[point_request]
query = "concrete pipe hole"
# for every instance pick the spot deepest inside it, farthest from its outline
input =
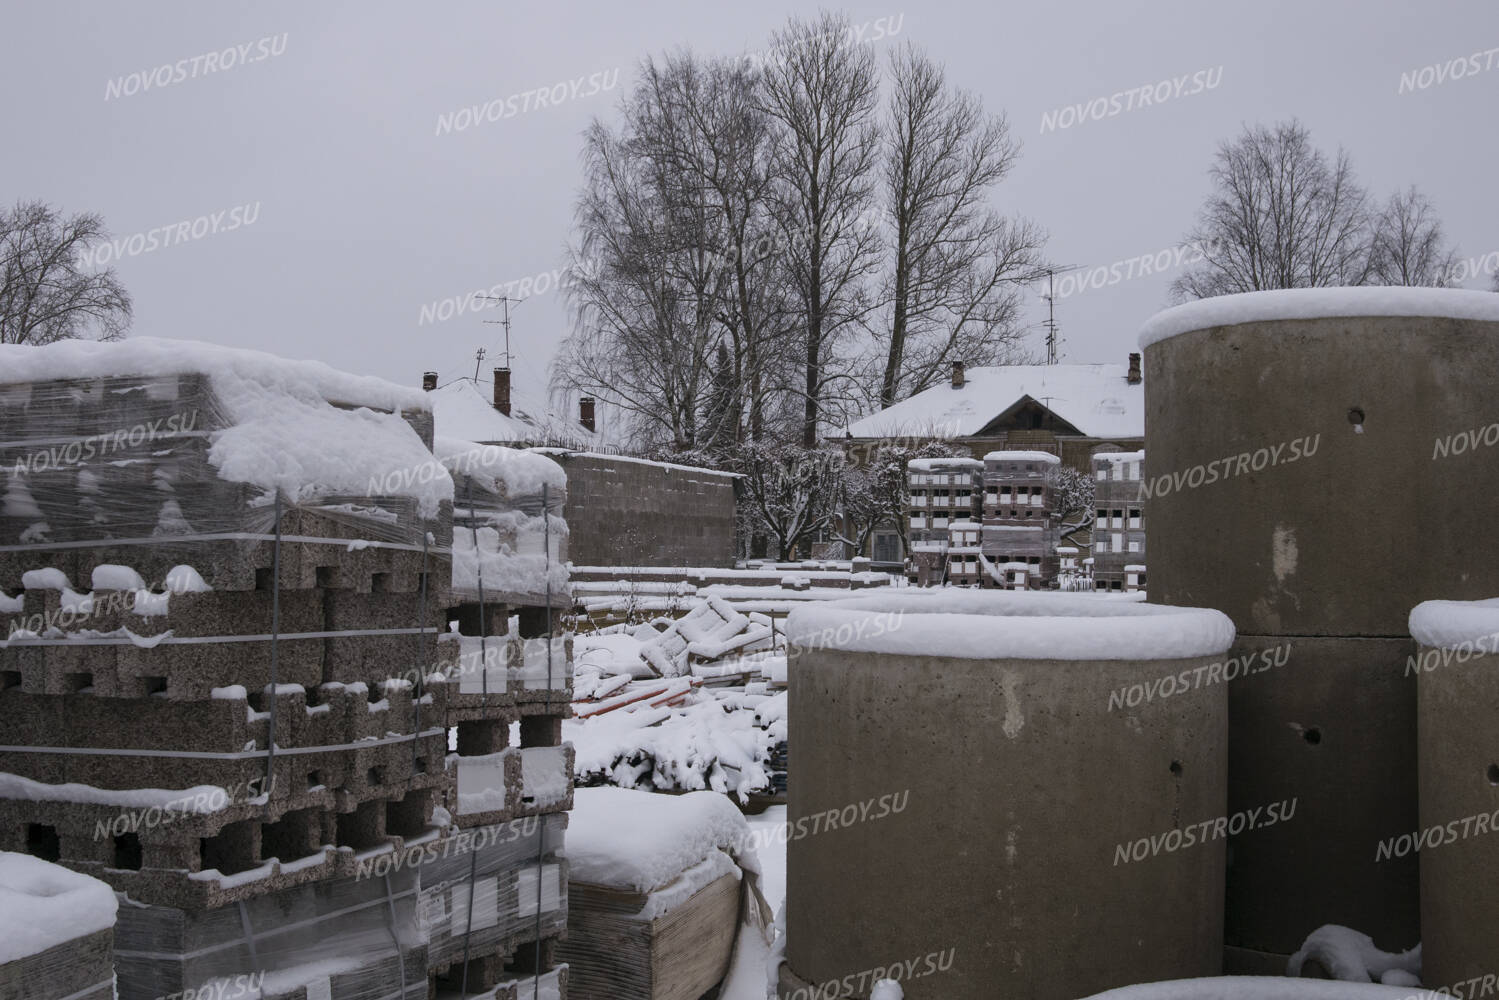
(1355, 416)
(1494, 774)
(1176, 768)
(1312, 736)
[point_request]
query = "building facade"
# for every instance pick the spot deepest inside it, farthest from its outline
(943, 511)
(1021, 526)
(1119, 525)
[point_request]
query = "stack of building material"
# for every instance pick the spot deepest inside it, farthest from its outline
(660, 887)
(944, 495)
(56, 932)
(225, 695)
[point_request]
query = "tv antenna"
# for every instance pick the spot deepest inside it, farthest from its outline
(505, 301)
(1053, 340)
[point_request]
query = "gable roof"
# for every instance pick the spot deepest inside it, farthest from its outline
(463, 409)
(1095, 399)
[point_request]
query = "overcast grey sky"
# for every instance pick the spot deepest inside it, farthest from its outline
(374, 197)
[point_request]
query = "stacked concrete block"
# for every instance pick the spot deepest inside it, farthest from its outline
(56, 933)
(238, 787)
(1313, 475)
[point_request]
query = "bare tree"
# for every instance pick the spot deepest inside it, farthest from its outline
(822, 90)
(953, 292)
(644, 284)
(1409, 247)
(45, 294)
(1281, 215)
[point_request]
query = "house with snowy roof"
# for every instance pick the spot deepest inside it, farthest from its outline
(1070, 411)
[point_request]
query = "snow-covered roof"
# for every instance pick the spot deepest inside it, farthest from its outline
(1096, 399)
(943, 464)
(610, 457)
(1320, 303)
(464, 409)
(1022, 456)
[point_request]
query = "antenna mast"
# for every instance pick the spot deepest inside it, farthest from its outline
(505, 301)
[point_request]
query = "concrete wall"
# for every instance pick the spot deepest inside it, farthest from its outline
(1459, 774)
(1336, 545)
(624, 512)
(1020, 784)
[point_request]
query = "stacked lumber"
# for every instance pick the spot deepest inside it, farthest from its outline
(660, 888)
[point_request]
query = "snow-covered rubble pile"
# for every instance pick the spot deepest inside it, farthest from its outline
(277, 426)
(43, 905)
(680, 738)
(499, 529)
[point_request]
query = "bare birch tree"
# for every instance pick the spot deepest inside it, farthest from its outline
(46, 294)
(952, 289)
(1409, 246)
(1281, 215)
(822, 90)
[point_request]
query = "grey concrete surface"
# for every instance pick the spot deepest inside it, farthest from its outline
(1348, 540)
(1459, 774)
(1021, 784)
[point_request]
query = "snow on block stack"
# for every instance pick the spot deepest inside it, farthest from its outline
(1456, 666)
(658, 887)
(222, 687)
(56, 932)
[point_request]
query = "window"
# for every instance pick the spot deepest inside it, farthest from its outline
(1134, 546)
(1134, 517)
(1103, 517)
(1101, 546)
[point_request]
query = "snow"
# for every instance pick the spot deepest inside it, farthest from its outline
(641, 841)
(198, 799)
(45, 579)
(672, 466)
(887, 989)
(1120, 456)
(153, 356)
(12, 605)
(465, 409)
(43, 905)
(610, 654)
(1022, 456)
(183, 579)
(1454, 624)
(282, 429)
(1010, 624)
(1348, 955)
(664, 900)
(1263, 988)
(509, 472)
(944, 464)
(1319, 303)
(110, 577)
(1095, 399)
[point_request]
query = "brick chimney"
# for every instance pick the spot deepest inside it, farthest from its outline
(1133, 378)
(429, 381)
(585, 412)
(502, 390)
(958, 379)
